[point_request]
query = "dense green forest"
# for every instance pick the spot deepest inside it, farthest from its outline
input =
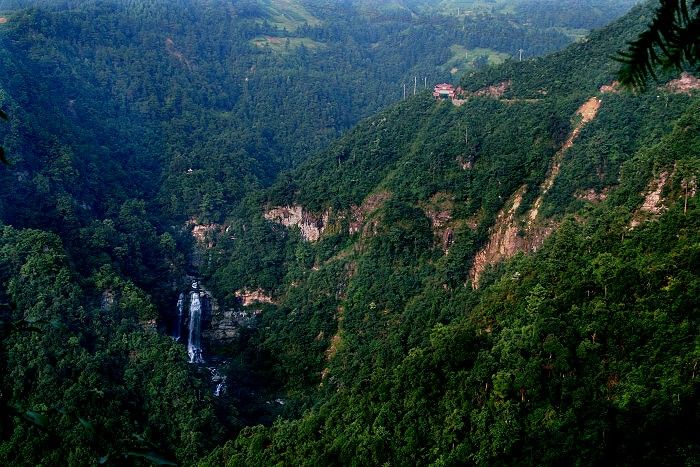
(512, 279)
(192, 93)
(131, 117)
(581, 348)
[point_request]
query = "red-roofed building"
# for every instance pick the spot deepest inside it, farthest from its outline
(444, 91)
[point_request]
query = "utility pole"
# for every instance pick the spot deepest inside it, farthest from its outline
(415, 83)
(521, 55)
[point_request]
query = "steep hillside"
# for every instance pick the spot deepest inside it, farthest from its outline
(511, 280)
(177, 105)
(136, 129)
(482, 152)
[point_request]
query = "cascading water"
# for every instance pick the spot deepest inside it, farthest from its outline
(218, 380)
(180, 309)
(194, 348)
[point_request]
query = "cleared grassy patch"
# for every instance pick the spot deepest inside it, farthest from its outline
(286, 44)
(476, 6)
(290, 15)
(576, 35)
(464, 59)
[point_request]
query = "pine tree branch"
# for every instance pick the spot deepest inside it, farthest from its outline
(671, 41)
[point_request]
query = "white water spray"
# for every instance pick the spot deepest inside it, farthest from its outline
(194, 347)
(180, 309)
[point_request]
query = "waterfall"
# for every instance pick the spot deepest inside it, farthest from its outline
(218, 380)
(194, 348)
(178, 323)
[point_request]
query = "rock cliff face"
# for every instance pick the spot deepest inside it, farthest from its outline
(205, 239)
(310, 225)
(204, 234)
(226, 326)
(250, 297)
(652, 200)
(439, 211)
(685, 84)
(504, 239)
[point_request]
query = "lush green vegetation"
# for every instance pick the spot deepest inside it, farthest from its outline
(128, 119)
(585, 352)
(141, 83)
(86, 371)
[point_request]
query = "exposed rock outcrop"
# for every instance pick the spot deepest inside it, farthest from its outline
(686, 84)
(504, 240)
(439, 211)
(613, 87)
(592, 195)
(310, 225)
(250, 297)
(226, 326)
(466, 163)
(653, 202)
(204, 234)
(358, 214)
(509, 234)
(585, 114)
(496, 91)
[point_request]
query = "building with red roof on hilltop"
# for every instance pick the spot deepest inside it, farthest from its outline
(444, 91)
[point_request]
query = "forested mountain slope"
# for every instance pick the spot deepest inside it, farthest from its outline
(162, 112)
(511, 280)
(190, 94)
(377, 332)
